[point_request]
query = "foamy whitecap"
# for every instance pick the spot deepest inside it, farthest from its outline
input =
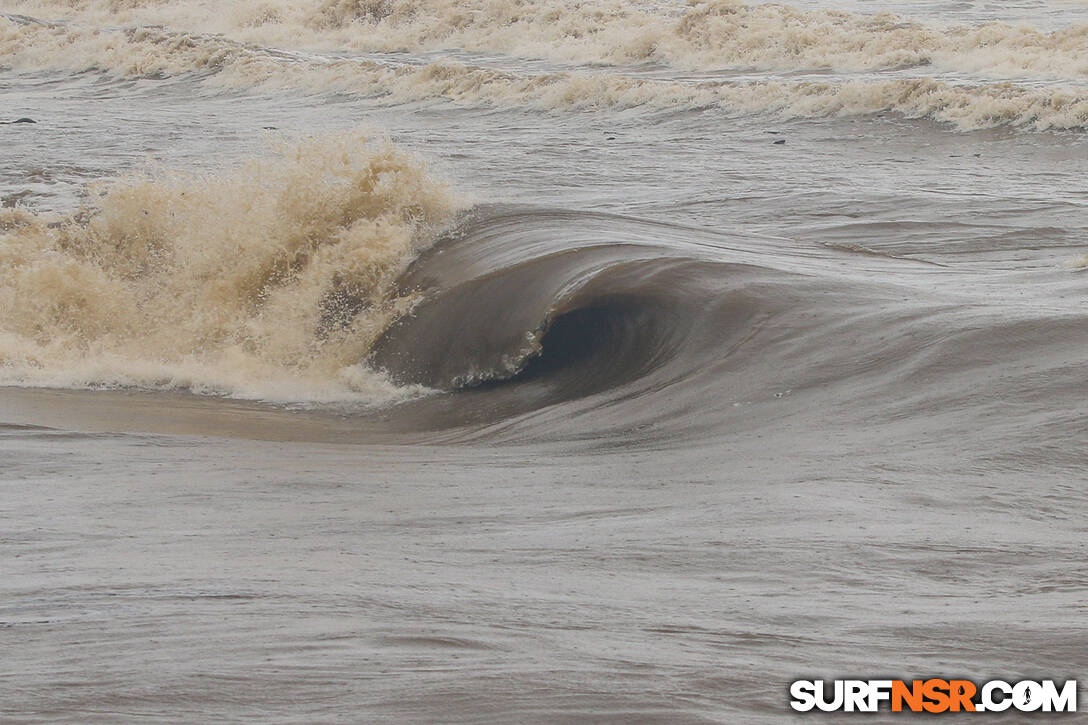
(268, 281)
(697, 35)
(226, 63)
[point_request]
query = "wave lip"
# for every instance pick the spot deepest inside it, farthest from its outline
(542, 325)
(524, 309)
(584, 321)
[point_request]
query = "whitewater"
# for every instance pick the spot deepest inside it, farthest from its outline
(537, 360)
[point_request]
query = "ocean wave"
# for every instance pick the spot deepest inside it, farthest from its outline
(218, 63)
(707, 35)
(713, 34)
(322, 279)
(270, 281)
(545, 324)
(559, 313)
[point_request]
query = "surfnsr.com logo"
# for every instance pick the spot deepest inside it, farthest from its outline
(933, 696)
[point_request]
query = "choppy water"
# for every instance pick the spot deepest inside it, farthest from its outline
(536, 362)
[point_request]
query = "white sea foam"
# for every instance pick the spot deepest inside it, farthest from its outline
(698, 35)
(225, 63)
(270, 281)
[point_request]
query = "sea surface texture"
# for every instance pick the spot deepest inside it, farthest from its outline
(537, 361)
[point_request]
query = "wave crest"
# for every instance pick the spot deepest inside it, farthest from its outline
(706, 35)
(218, 62)
(269, 281)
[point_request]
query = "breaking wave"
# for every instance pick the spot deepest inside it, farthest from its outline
(326, 273)
(545, 324)
(697, 35)
(329, 282)
(270, 281)
(958, 75)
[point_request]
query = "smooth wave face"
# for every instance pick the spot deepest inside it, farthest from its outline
(613, 328)
(741, 58)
